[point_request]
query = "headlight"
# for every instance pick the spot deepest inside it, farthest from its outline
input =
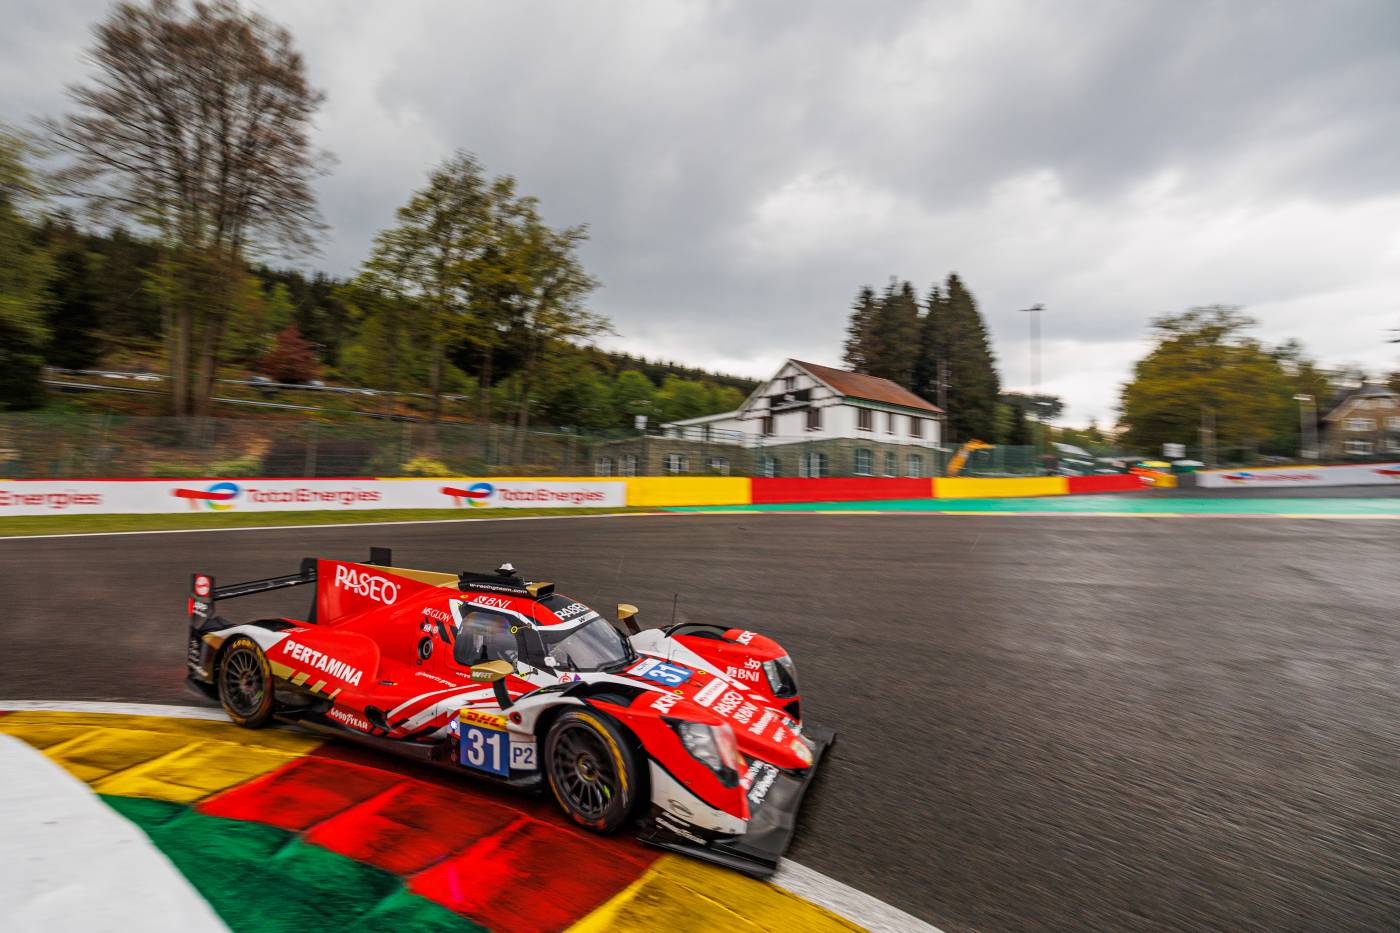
(782, 676)
(713, 746)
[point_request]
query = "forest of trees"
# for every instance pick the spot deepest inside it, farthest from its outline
(187, 157)
(939, 349)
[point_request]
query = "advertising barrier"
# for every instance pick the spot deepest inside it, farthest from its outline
(106, 496)
(1351, 474)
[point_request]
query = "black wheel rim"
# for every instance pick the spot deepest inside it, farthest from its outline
(584, 771)
(243, 682)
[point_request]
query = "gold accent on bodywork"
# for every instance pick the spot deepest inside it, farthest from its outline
(320, 685)
(301, 678)
(430, 577)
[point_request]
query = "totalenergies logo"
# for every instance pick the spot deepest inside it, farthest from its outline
(1391, 472)
(220, 496)
(476, 495)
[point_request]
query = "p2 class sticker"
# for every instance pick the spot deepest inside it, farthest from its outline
(522, 756)
(668, 675)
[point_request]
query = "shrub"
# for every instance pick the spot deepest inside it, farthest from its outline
(426, 466)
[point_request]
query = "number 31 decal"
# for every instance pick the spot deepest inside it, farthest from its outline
(485, 750)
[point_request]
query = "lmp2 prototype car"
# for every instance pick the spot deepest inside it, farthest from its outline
(692, 732)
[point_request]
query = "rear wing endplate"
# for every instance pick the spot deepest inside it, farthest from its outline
(204, 593)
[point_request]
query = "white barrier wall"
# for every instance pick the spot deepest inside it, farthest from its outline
(108, 496)
(1359, 474)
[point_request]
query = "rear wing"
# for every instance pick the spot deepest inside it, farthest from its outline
(204, 593)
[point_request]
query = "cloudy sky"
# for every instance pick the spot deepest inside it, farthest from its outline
(745, 167)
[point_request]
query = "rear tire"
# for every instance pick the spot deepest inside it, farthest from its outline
(245, 683)
(593, 770)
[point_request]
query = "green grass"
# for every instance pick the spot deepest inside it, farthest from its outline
(85, 524)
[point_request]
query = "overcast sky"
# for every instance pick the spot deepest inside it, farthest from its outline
(745, 167)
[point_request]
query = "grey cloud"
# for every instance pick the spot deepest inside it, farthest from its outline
(744, 168)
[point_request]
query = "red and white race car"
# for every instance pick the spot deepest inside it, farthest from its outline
(693, 732)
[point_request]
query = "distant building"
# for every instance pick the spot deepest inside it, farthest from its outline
(1364, 422)
(807, 420)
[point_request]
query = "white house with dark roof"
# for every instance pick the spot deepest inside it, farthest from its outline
(808, 420)
(809, 401)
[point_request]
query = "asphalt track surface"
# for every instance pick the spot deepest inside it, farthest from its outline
(1058, 723)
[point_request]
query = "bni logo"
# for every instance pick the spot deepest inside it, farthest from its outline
(220, 496)
(476, 495)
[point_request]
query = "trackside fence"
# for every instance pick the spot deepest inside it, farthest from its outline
(56, 446)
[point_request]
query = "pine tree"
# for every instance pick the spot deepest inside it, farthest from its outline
(74, 320)
(860, 351)
(933, 351)
(895, 334)
(973, 384)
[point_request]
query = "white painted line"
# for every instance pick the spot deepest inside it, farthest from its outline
(74, 864)
(845, 901)
(841, 899)
(119, 709)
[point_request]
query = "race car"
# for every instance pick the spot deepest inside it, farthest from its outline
(692, 733)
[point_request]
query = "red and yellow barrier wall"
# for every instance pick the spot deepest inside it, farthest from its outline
(661, 492)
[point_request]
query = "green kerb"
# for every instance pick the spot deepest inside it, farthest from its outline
(260, 878)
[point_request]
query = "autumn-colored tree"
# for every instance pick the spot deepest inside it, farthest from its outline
(292, 359)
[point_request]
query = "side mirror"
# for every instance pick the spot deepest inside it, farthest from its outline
(626, 612)
(488, 672)
(495, 674)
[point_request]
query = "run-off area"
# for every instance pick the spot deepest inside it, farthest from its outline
(1046, 722)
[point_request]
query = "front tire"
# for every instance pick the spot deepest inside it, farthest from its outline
(245, 683)
(593, 770)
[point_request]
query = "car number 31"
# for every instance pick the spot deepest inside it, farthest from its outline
(486, 750)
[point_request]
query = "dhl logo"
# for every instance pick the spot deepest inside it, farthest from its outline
(475, 717)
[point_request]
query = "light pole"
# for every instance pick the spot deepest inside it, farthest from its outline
(1034, 312)
(1307, 415)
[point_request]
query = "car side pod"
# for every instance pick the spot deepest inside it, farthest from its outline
(774, 796)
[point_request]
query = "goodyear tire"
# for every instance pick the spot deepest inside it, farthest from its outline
(245, 683)
(593, 770)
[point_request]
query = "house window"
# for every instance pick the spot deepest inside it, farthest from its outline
(603, 467)
(916, 426)
(768, 466)
(1392, 424)
(889, 422)
(1392, 445)
(789, 383)
(1360, 424)
(719, 466)
(627, 466)
(814, 419)
(865, 462)
(891, 464)
(865, 419)
(769, 428)
(915, 464)
(1360, 448)
(674, 463)
(812, 465)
